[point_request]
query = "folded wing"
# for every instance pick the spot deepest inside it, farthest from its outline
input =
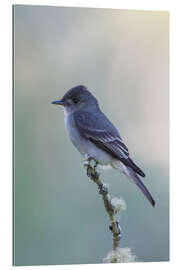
(104, 135)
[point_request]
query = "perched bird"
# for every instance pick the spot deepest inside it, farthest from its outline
(96, 137)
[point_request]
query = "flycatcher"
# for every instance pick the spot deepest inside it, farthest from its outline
(96, 137)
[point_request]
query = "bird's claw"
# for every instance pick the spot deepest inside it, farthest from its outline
(90, 164)
(89, 174)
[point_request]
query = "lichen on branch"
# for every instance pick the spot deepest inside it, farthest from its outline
(112, 206)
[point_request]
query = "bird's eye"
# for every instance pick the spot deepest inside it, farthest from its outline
(75, 100)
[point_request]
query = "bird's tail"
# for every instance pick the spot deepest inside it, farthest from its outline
(131, 174)
(143, 188)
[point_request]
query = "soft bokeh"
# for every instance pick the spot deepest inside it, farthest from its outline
(122, 57)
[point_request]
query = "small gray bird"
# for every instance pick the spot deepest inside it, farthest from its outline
(96, 137)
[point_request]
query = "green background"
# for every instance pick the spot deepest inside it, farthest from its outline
(122, 57)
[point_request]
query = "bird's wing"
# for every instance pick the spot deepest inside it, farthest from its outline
(101, 132)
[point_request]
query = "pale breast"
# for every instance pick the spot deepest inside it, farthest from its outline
(78, 141)
(83, 145)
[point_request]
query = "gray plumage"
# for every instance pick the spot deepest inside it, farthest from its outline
(95, 136)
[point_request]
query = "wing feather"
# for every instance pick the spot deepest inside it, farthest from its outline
(104, 135)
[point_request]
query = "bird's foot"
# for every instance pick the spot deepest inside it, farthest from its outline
(90, 164)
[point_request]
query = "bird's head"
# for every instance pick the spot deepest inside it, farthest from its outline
(77, 98)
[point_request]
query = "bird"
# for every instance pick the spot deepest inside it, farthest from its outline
(95, 137)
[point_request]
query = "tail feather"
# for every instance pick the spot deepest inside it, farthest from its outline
(131, 174)
(145, 191)
(135, 167)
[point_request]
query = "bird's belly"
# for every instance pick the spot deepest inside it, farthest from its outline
(85, 146)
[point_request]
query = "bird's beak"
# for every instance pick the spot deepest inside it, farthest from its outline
(59, 102)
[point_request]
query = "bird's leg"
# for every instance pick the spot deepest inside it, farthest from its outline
(95, 165)
(87, 164)
(90, 164)
(96, 174)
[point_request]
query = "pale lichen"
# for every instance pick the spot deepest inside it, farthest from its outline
(120, 255)
(119, 204)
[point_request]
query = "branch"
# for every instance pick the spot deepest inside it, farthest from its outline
(112, 207)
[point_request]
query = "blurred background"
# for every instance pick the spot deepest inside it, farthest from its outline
(122, 57)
